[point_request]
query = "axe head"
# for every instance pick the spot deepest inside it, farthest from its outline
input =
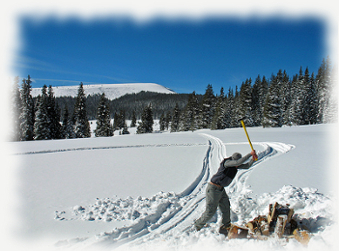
(243, 118)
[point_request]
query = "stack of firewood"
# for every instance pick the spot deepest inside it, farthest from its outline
(279, 223)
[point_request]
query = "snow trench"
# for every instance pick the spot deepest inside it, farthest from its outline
(170, 216)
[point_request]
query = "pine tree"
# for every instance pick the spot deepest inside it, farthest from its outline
(255, 106)
(116, 119)
(245, 103)
(286, 99)
(119, 120)
(125, 130)
(306, 110)
(190, 114)
(54, 115)
(162, 122)
(146, 124)
(42, 129)
(236, 109)
(207, 108)
(263, 91)
(168, 120)
(67, 126)
(218, 121)
(175, 119)
(327, 106)
(82, 128)
(104, 127)
(134, 120)
(313, 92)
(229, 109)
(15, 111)
(331, 115)
(298, 101)
(27, 114)
(272, 108)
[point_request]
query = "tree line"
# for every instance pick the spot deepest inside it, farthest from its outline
(304, 99)
(129, 103)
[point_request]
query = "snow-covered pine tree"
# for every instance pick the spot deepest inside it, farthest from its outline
(189, 116)
(286, 98)
(218, 121)
(297, 104)
(331, 113)
(175, 119)
(272, 108)
(207, 107)
(82, 127)
(246, 102)
(15, 111)
(104, 127)
(149, 119)
(168, 119)
(263, 90)
(326, 95)
(306, 111)
(162, 122)
(256, 108)
(67, 126)
(289, 113)
(122, 119)
(116, 121)
(119, 120)
(125, 130)
(42, 125)
(236, 109)
(134, 120)
(313, 101)
(27, 115)
(229, 109)
(54, 115)
(146, 124)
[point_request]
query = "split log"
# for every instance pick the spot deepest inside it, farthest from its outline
(302, 236)
(237, 232)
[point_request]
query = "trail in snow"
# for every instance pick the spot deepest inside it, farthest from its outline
(170, 214)
(104, 148)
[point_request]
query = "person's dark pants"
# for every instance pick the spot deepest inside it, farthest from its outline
(215, 197)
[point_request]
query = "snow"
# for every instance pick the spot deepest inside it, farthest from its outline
(143, 192)
(112, 91)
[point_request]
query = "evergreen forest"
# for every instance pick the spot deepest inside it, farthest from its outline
(281, 100)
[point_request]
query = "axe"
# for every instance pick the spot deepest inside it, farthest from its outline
(249, 141)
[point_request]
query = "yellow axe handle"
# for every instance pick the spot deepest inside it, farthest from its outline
(249, 141)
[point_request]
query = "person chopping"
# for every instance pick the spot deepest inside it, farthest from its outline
(215, 192)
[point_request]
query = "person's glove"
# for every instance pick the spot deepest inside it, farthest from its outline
(254, 155)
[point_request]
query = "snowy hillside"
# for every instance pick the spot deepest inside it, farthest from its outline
(112, 91)
(143, 192)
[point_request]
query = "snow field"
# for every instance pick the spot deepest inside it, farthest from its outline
(144, 191)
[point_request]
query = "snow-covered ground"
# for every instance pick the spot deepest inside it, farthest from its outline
(112, 91)
(143, 192)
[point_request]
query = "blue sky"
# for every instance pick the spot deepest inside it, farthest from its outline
(182, 54)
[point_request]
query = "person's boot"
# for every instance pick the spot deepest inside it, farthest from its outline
(224, 229)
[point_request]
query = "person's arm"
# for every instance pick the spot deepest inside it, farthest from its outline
(250, 163)
(246, 165)
(237, 162)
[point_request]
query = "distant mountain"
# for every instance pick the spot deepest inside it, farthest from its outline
(112, 91)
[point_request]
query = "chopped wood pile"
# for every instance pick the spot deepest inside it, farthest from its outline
(279, 223)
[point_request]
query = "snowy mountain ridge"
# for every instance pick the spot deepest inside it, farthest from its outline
(112, 91)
